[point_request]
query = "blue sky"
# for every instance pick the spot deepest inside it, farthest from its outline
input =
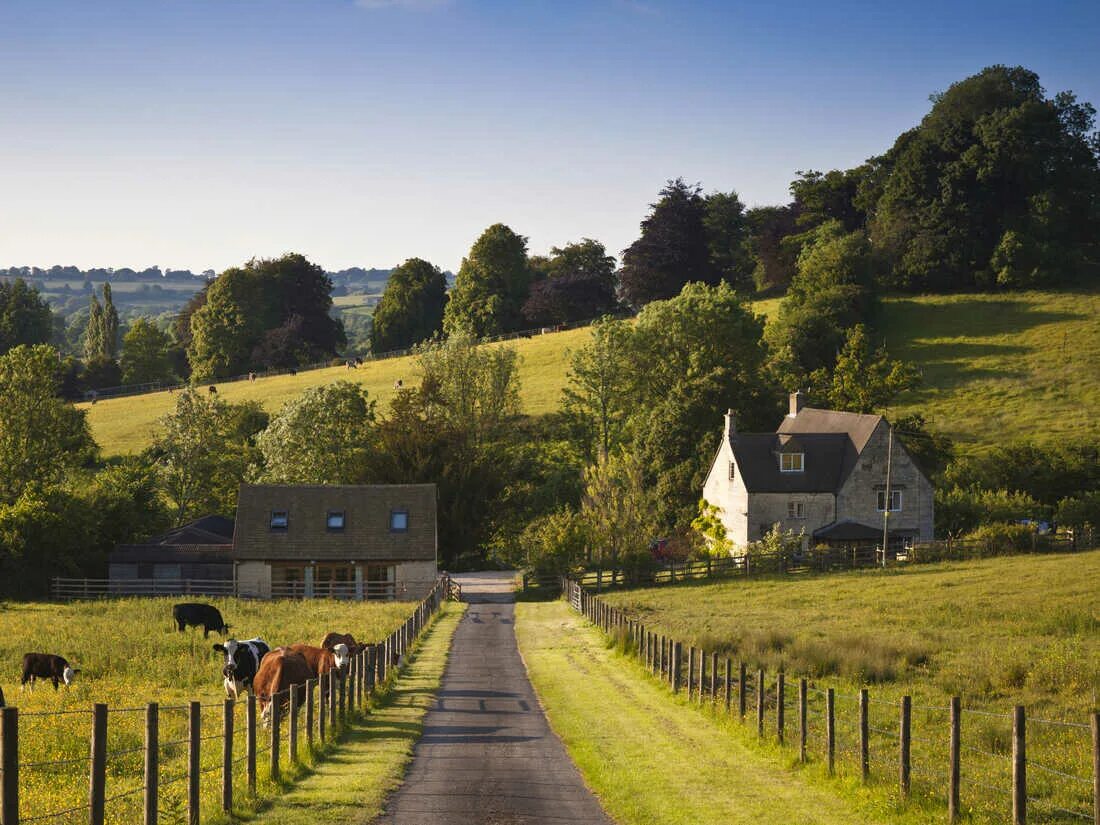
(199, 133)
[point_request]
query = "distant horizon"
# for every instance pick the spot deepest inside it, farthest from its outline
(198, 135)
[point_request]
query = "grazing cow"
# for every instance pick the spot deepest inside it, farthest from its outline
(242, 661)
(320, 660)
(195, 614)
(46, 666)
(332, 639)
(280, 669)
(212, 390)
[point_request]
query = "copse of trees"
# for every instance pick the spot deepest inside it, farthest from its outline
(576, 282)
(25, 316)
(411, 308)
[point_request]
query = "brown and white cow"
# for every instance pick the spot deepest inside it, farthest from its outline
(46, 666)
(321, 660)
(280, 670)
(333, 639)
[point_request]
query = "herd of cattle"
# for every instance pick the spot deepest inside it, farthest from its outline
(249, 664)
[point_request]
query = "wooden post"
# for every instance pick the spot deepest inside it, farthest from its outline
(760, 702)
(276, 735)
(713, 677)
(803, 720)
(1019, 766)
(227, 755)
(322, 706)
(864, 737)
(194, 743)
(311, 684)
(250, 743)
(292, 728)
(953, 771)
(9, 764)
(677, 661)
(780, 701)
(97, 777)
(742, 695)
(830, 729)
(729, 683)
(342, 681)
(152, 760)
(1095, 760)
(904, 742)
(333, 689)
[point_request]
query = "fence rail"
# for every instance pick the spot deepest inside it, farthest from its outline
(945, 749)
(173, 738)
(72, 589)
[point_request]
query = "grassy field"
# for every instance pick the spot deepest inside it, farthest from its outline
(1013, 365)
(997, 632)
(656, 760)
(129, 653)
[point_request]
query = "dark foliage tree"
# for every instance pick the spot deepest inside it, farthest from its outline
(578, 284)
(491, 285)
(830, 196)
(774, 258)
(672, 249)
(25, 316)
(411, 308)
(727, 230)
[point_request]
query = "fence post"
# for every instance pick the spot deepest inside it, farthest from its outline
(276, 735)
(322, 705)
(1019, 766)
(780, 701)
(227, 755)
(691, 671)
(194, 742)
(864, 737)
(760, 702)
(677, 656)
(152, 761)
(342, 681)
(333, 676)
(1095, 760)
(97, 778)
(713, 677)
(953, 771)
(310, 684)
(742, 694)
(830, 729)
(803, 727)
(250, 743)
(904, 745)
(9, 764)
(729, 683)
(292, 728)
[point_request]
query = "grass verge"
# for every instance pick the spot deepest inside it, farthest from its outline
(351, 784)
(654, 759)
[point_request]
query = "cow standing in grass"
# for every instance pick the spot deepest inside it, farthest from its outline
(281, 670)
(46, 666)
(321, 660)
(196, 614)
(242, 663)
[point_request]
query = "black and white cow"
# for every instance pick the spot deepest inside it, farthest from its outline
(242, 660)
(196, 614)
(46, 666)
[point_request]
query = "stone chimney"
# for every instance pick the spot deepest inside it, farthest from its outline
(798, 401)
(731, 425)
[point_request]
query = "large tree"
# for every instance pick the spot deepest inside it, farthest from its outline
(145, 353)
(268, 313)
(672, 249)
(25, 316)
(577, 283)
(727, 228)
(491, 286)
(411, 309)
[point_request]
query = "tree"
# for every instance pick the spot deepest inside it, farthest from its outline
(491, 286)
(145, 353)
(672, 250)
(864, 379)
(727, 230)
(41, 436)
(577, 283)
(25, 316)
(110, 325)
(555, 542)
(324, 436)
(268, 313)
(932, 451)
(618, 509)
(1081, 512)
(597, 400)
(774, 255)
(411, 308)
(94, 344)
(830, 196)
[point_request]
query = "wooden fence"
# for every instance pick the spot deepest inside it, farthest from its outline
(316, 712)
(876, 737)
(73, 589)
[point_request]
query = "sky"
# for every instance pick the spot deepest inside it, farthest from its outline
(200, 133)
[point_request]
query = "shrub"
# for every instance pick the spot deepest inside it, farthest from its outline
(1004, 539)
(962, 510)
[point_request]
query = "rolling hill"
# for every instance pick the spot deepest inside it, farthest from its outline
(996, 367)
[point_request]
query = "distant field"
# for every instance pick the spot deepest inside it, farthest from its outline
(129, 653)
(996, 367)
(996, 632)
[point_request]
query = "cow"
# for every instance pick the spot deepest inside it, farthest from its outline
(320, 660)
(46, 666)
(195, 614)
(281, 669)
(242, 661)
(332, 639)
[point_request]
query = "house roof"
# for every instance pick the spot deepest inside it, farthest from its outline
(848, 530)
(171, 554)
(758, 462)
(201, 531)
(366, 535)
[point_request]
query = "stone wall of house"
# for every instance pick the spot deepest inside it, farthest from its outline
(768, 509)
(415, 579)
(730, 497)
(254, 579)
(858, 498)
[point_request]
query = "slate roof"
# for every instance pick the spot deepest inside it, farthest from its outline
(848, 530)
(205, 530)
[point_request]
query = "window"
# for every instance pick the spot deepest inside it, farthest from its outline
(279, 519)
(895, 500)
(796, 509)
(733, 471)
(791, 462)
(335, 520)
(399, 521)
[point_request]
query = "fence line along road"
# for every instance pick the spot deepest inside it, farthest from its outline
(73, 589)
(1047, 770)
(327, 704)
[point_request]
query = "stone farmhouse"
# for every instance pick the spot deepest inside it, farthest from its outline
(833, 476)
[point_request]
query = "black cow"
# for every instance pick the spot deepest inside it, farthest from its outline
(194, 614)
(46, 666)
(242, 660)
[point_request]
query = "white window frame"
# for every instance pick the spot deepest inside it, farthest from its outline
(895, 496)
(796, 509)
(792, 469)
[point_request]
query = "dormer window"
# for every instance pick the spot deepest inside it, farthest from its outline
(335, 520)
(399, 521)
(279, 519)
(791, 462)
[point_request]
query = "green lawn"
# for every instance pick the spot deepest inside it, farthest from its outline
(656, 760)
(996, 632)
